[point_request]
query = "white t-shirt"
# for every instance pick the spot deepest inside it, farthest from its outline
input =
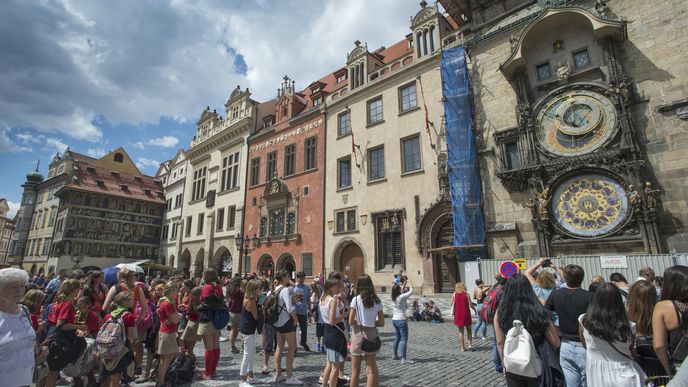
(325, 311)
(17, 340)
(366, 316)
(284, 305)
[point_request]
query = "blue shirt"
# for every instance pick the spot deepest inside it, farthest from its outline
(302, 306)
(53, 285)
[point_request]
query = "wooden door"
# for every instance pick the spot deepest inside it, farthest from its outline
(446, 265)
(351, 262)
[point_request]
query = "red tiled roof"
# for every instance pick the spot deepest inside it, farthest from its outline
(101, 181)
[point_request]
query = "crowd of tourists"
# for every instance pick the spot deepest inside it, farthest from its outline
(76, 325)
(550, 331)
(547, 329)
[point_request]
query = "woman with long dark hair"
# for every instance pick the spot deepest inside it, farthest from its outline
(212, 291)
(285, 327)
(96, 291)
(519, 302)
(400, 299)
(640, 304)
(365, 315)
(609, 337)
(669, 312)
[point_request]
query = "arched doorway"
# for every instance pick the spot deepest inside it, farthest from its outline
(266, 266)
(198, 264)
(170, 261)
(222, 261)
(445, 264)
(351, 262)
(184, 263)
(286, 262)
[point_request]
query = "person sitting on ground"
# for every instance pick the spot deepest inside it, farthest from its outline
(432, 313)
(416, 312)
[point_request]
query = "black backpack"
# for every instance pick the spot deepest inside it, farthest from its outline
(181, 369)
(272, 307)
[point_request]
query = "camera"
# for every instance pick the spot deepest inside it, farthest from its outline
(547, 263)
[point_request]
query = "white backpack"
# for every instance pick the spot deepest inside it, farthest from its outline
(520, 357)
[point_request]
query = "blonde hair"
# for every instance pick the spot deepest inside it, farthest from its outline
(251, 288)
(121, 299)
(68, 287)
(127, 276)
(32, 299)
(460, 287)
(169, 287)
(546, 280)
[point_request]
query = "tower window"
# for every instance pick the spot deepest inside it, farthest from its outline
(581, 58)
(544, 71)
(119, 158)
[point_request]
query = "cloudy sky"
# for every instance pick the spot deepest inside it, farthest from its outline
(93, 75)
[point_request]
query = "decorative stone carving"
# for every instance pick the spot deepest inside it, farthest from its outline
(563, 71)
(650, 196)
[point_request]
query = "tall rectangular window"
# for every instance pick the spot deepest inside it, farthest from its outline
(389, 252)
(376, 164)
(346, 220)
(220, 218)
(199, 226)
(410, 154)
(375, 111)
(271, 166)
(230, 172)
(188, 225)
(198, 187)
(277, 222)
(173, 232)
(46, 246)
(407, 97)
(290, 160)
(311, 153)
(231, 217)
(307, 263)
(341, 221)
(343, 123)
(512, 157)
(344, 172)
(255, 171)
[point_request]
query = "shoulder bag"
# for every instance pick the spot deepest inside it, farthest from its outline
(367, 345)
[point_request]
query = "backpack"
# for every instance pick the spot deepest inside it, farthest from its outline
(272, 307)
(520, 356)
(489, 309)
(147, 321)
(111, 339)
(220, 318)
(181, 369)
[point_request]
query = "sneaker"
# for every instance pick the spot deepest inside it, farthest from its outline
(223, 339)
(277, 378)
(321, 379)
(235, 349)
(345, 378)
(407, 361)
(138, 371)
(318, 347)
(265, 370)
(395, 357)
(306, 347)
(254, 380)
(293, 381)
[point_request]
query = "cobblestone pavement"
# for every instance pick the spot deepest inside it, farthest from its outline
(433, 347)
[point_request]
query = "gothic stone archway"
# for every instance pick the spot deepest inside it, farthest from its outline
(286, 262)
(198, 264)
(350, 261)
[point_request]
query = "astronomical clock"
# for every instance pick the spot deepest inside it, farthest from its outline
(575, 149)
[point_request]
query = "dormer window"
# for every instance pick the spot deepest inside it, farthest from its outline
(90, 170)
(284, 112)
(317, 101)
(146, 192)
(235, 112)
(100, 183)
(115, 174)
(124, 187)
(341, 78)
(316, 90)
(138, 178)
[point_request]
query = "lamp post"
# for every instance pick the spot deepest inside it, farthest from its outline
(242, 244)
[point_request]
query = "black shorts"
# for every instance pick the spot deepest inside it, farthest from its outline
(287, 327)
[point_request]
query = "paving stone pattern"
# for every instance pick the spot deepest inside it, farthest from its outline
(433, 347)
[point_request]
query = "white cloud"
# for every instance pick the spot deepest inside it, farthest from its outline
(144, 163)
(9, 146)
(74, 66)
(139, 145)
(96, 152)
(14, 207)
(164, 141)
(54, 144)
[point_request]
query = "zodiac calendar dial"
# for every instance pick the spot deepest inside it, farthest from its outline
(589, 205)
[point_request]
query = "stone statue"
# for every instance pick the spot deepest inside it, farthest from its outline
(533, 208)
(650, 196)
(513, 41)
(563, 71)
(633, 197)
(542, 198)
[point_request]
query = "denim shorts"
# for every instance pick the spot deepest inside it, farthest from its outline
(334, 356)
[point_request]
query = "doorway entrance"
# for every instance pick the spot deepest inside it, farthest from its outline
(351, 261)
(266, 266)
(286, 262)
(446, 264)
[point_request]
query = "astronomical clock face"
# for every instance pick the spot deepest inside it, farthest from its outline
(589, 205)
(575, 122)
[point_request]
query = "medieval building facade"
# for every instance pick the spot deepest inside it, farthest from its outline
(580, 123)
(283, 220)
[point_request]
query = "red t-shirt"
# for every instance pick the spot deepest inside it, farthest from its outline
(209, 290)
(92, 322)
(165, 310)
(34, 321)
(127, 318)
(63, 311)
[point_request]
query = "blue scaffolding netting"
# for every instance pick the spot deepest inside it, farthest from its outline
(464, 181)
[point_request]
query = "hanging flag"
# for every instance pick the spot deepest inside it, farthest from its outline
(427, 118)
(353, 141)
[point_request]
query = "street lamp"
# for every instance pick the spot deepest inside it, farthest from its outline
(242, 244)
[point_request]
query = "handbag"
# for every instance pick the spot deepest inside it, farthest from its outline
(368, 345)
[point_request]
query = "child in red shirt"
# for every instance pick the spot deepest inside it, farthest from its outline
(190, 335)
(169, 322)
